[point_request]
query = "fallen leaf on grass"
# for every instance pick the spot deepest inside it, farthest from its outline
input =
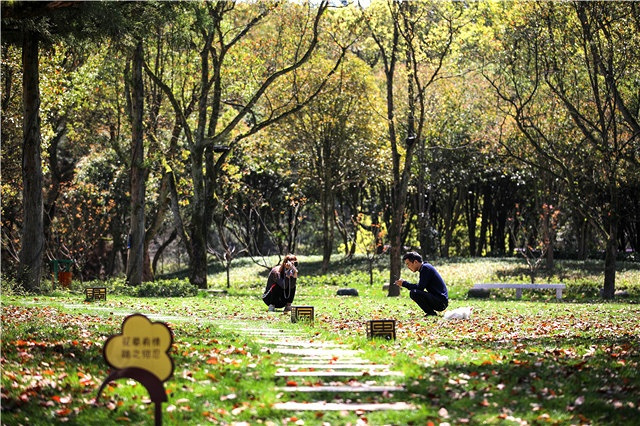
(229, 396)
(63, 412)
(238, 410)
(61, 399)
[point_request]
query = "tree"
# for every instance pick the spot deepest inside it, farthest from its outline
(421, 33)
(334, 138)
(20, 23)
(228, 111)
(32, 235)
(136, 234)
(566, 85)
(32, 24)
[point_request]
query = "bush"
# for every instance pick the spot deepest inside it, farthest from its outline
(167, 288)
(161, 288)
(9, 287)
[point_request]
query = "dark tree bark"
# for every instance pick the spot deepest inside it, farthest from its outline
(32, 231)
(135, 260)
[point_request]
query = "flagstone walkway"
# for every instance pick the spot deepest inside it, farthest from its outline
(337, 378)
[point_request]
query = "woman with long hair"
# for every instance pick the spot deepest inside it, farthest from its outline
(281, 284)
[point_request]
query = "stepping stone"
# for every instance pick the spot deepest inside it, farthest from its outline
(329, 361)
(338, 373)
(334, 406)
(342, 388)
(300, 344)
(242, 328)
(279, 334)
(351, 366)
(330, 353)
(316, 359)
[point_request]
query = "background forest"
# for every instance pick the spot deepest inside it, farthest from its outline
(179, 132)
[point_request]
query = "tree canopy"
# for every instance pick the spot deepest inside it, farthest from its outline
(184, 129)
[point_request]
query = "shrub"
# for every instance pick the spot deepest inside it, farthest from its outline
(9, 287)
(161, 288)
(167, 288)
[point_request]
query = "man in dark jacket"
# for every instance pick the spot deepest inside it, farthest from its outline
(431, 292)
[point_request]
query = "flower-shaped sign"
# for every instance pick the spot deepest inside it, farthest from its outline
(142, 344)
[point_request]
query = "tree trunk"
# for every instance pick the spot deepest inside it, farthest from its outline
(452, 212)
(158, 254)
(292, 241)
(135, 260)
(56, 179)
(198, 228)
(401, 179)
(471, 216)
(395, 253)
(485, 219)
(548, 242)
(327, 227)
(499, 230)
(32, 232)
(609, 288)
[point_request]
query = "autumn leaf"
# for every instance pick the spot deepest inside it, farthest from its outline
(63, 412)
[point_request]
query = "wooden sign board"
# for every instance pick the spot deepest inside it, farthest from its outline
(381, 328)
(141, 352)
(302, 313)
(95, 293)
(141, 344)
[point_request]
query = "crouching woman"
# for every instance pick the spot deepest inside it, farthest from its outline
(281, 284)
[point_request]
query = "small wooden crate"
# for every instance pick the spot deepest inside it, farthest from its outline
(95, 293)
(301, 313)
(381, 328)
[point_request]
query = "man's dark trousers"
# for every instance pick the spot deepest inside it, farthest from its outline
(428, 302)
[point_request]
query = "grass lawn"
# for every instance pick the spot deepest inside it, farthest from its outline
(528, 361)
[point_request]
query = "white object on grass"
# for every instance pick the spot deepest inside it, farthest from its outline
(458, 313)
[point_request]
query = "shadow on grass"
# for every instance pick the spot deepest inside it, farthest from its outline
(563, 270)
(541, 380)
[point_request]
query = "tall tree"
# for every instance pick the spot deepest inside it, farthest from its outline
(136, 234)
(32, 234)
(33, 24)
(567, 84)
(419, 35)
(23, 23)
(229, 111)
(333, 139)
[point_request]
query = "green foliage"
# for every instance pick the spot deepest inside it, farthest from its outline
(9, 286)
(166, 288)
(472, 157)
(352, 279)
(174, 287)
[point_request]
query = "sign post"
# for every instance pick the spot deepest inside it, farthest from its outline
(301, 313)
(381, 328)
(141, 352)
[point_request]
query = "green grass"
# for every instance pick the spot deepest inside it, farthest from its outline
(535, 360)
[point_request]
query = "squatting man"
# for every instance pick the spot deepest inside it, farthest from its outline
(431, 292)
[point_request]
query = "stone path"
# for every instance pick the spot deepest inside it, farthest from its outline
(316, 362)
(330, 373)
